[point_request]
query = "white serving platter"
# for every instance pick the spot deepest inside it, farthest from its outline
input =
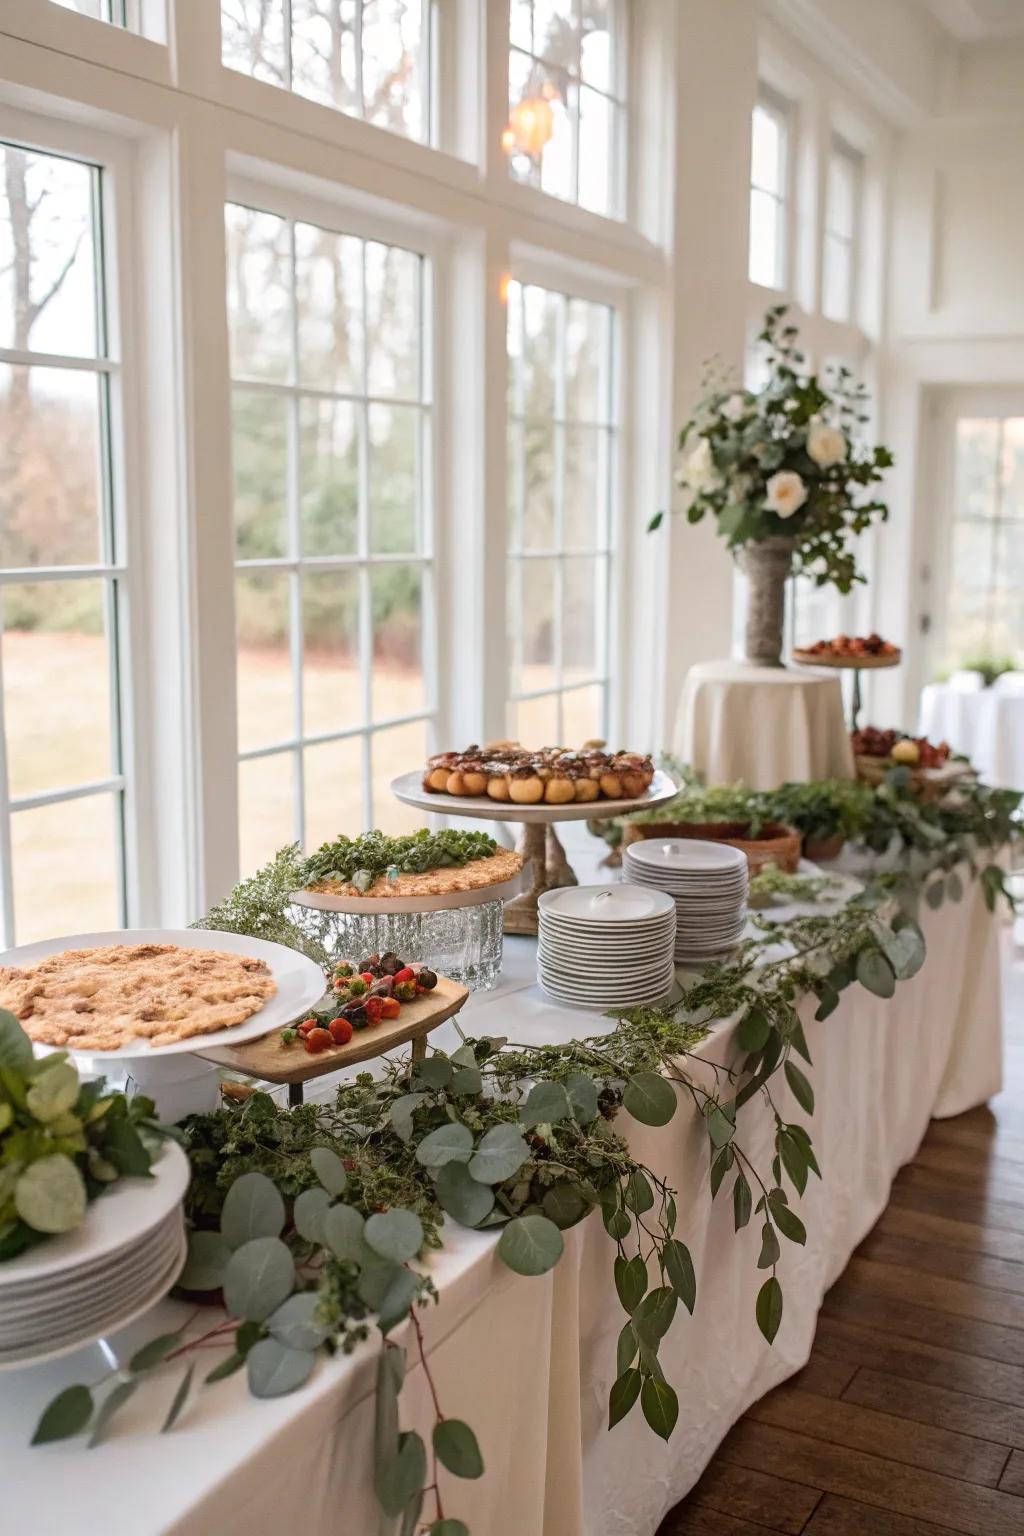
(408, 787)
(379, 906)
(300, 983)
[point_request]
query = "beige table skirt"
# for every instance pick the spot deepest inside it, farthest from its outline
(762, 726)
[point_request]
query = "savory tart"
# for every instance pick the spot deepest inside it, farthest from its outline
(420, 863)
(493, 869)
(552, 776)
(122, 994)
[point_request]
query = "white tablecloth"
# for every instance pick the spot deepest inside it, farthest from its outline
(987, 725)
(762, 726)
(528, 1362)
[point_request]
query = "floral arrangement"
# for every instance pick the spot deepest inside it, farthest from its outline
(784, 461)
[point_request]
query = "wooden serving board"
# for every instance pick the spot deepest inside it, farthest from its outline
(846, 663)
(277, 1061)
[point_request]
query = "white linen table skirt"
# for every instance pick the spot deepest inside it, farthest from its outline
(762, 726)
(528, 1362)
(986, 725)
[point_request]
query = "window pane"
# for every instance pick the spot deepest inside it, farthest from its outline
(520, 24)
(266, 693)
(583, 618)
(977, 448)
(259, 294)
(1013, 467)
(393, 63)
(842, 195)
(253, 38)
(57, 674)
(765, 239)
(99, 10)
(837, 278)
(394, 752)
(555, 34)
(539, 140)
(598, 126)
(397, 612)
(331, 691)
(266, 809)
(534, 722)
(64, 861)
(50, 427)
(535, 618)
(588, 361)
(334, 791)
(393, 321)
(47, 258)
(596, 44)
(393, 434)
(329, 476)
(583, 715)
(324, 52)
(329, 289)
(259, 447)
(585, 505)
(540, 481)
(542, 312)
(766, 151)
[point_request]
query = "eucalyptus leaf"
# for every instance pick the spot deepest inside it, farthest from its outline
(753, 1030)
(274, 1369)
(720, 1128)
(253, 1207)
(448, 1528)
(794, 1159)
(152, 1353)
(624, 1393)
(330, 1170)
(342, 1232)
(228, 1367)
(462, 1196)
(295, 1322)
(179, 1399)
(769, 1308)
(467, 1082)
(402, 1478)
(583, 1097)
(638, 1194)
(653, 1317)
(787, 1221)
(308, 1214)
(457, 1449)
(500, 1154)
(770, 1250)
(395, 1234)
(206, 1264)
(630, 1281)
(546, 1104)
(934, 894)
(451, 1143)
(390, 1375)
(118, 1395)
(660, 1406)
(564, 1204)
(741, 1201)
(875, 973)
(259, 1277)
(435, 1071)
(719, 1168)
(800, 1087)
(679, 1269)
(402, 1111)
(67, 1414)
(530, 1245)
(397, 1300)
(650, 1098)
(625, 1349)
(375, 1279)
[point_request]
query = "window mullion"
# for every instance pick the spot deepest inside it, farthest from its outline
(7, 929)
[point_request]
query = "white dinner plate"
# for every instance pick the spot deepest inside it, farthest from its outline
(72, 1291)
(687, 854)
(605, 903)
(300, 982)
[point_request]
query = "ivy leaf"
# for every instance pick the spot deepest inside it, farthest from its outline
(875, 973)
(260, 1275)
(530, 1245)
(769, 1308)
(402, 1478)
(624, 1393)
(308, 1214)
(207, 1261)
(67, 1414)
(330, 1170)
(770, 1250)
(452, 1143)
(546, 1104)
(274, 1368)
(501, 1153)
(679, 1268)
(650, 1098)
(582, 1091)
(457, 1449)
(178, 1400)
(630, 1281)
(660, 1406)
(253, 1207)
(741, 1201)
(395, 1234)
(801, 1088)
(462, 1196)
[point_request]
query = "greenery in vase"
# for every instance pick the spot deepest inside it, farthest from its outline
(62, 1142)
(991, 667)
(785, 461)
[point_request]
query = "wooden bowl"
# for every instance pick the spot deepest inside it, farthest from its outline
(777, 844)
(826, 848)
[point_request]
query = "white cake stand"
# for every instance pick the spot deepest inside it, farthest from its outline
(538, 840)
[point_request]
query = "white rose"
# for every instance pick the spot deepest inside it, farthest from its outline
(786, 493)
(735, 408)
(825, 445)
(698, 470)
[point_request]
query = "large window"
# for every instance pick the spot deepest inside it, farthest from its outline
(369, 58)
(333, 594)
(116, 11)
(566, 108)
(61, 565)
(985, 603)
(561, 453)
(769, 182)
(842, 215)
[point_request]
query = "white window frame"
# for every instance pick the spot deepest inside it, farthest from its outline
(781, 110)
(840, 149)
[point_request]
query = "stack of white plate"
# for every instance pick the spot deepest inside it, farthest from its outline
(606, 946)
(126, 1255)
(708, 884)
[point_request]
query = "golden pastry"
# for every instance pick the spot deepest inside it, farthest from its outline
(559, 791)
(525, 787)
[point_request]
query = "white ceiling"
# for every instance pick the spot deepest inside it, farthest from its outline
(973, 21)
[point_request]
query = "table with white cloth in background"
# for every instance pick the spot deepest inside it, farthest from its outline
(985, 724)
(529, 1362)
(762, 726)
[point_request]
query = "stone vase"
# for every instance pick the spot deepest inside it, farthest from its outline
(766, 565)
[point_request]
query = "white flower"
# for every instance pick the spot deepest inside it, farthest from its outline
(786, 493)
(698, 471)
(735, 408)
(825, 445)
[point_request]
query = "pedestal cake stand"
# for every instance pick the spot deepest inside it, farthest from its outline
(854, 664)
(538, 840)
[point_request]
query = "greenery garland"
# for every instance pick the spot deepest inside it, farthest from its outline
(310, 1220)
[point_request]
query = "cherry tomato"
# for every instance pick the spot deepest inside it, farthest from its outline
(318, 1040)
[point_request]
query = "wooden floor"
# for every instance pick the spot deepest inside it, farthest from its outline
(909, 1418)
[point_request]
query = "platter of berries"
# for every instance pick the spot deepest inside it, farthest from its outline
(371, 1006)
(860, 651)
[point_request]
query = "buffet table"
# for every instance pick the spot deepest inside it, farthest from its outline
(985, 724)
(762, 726)
(529, 1361)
